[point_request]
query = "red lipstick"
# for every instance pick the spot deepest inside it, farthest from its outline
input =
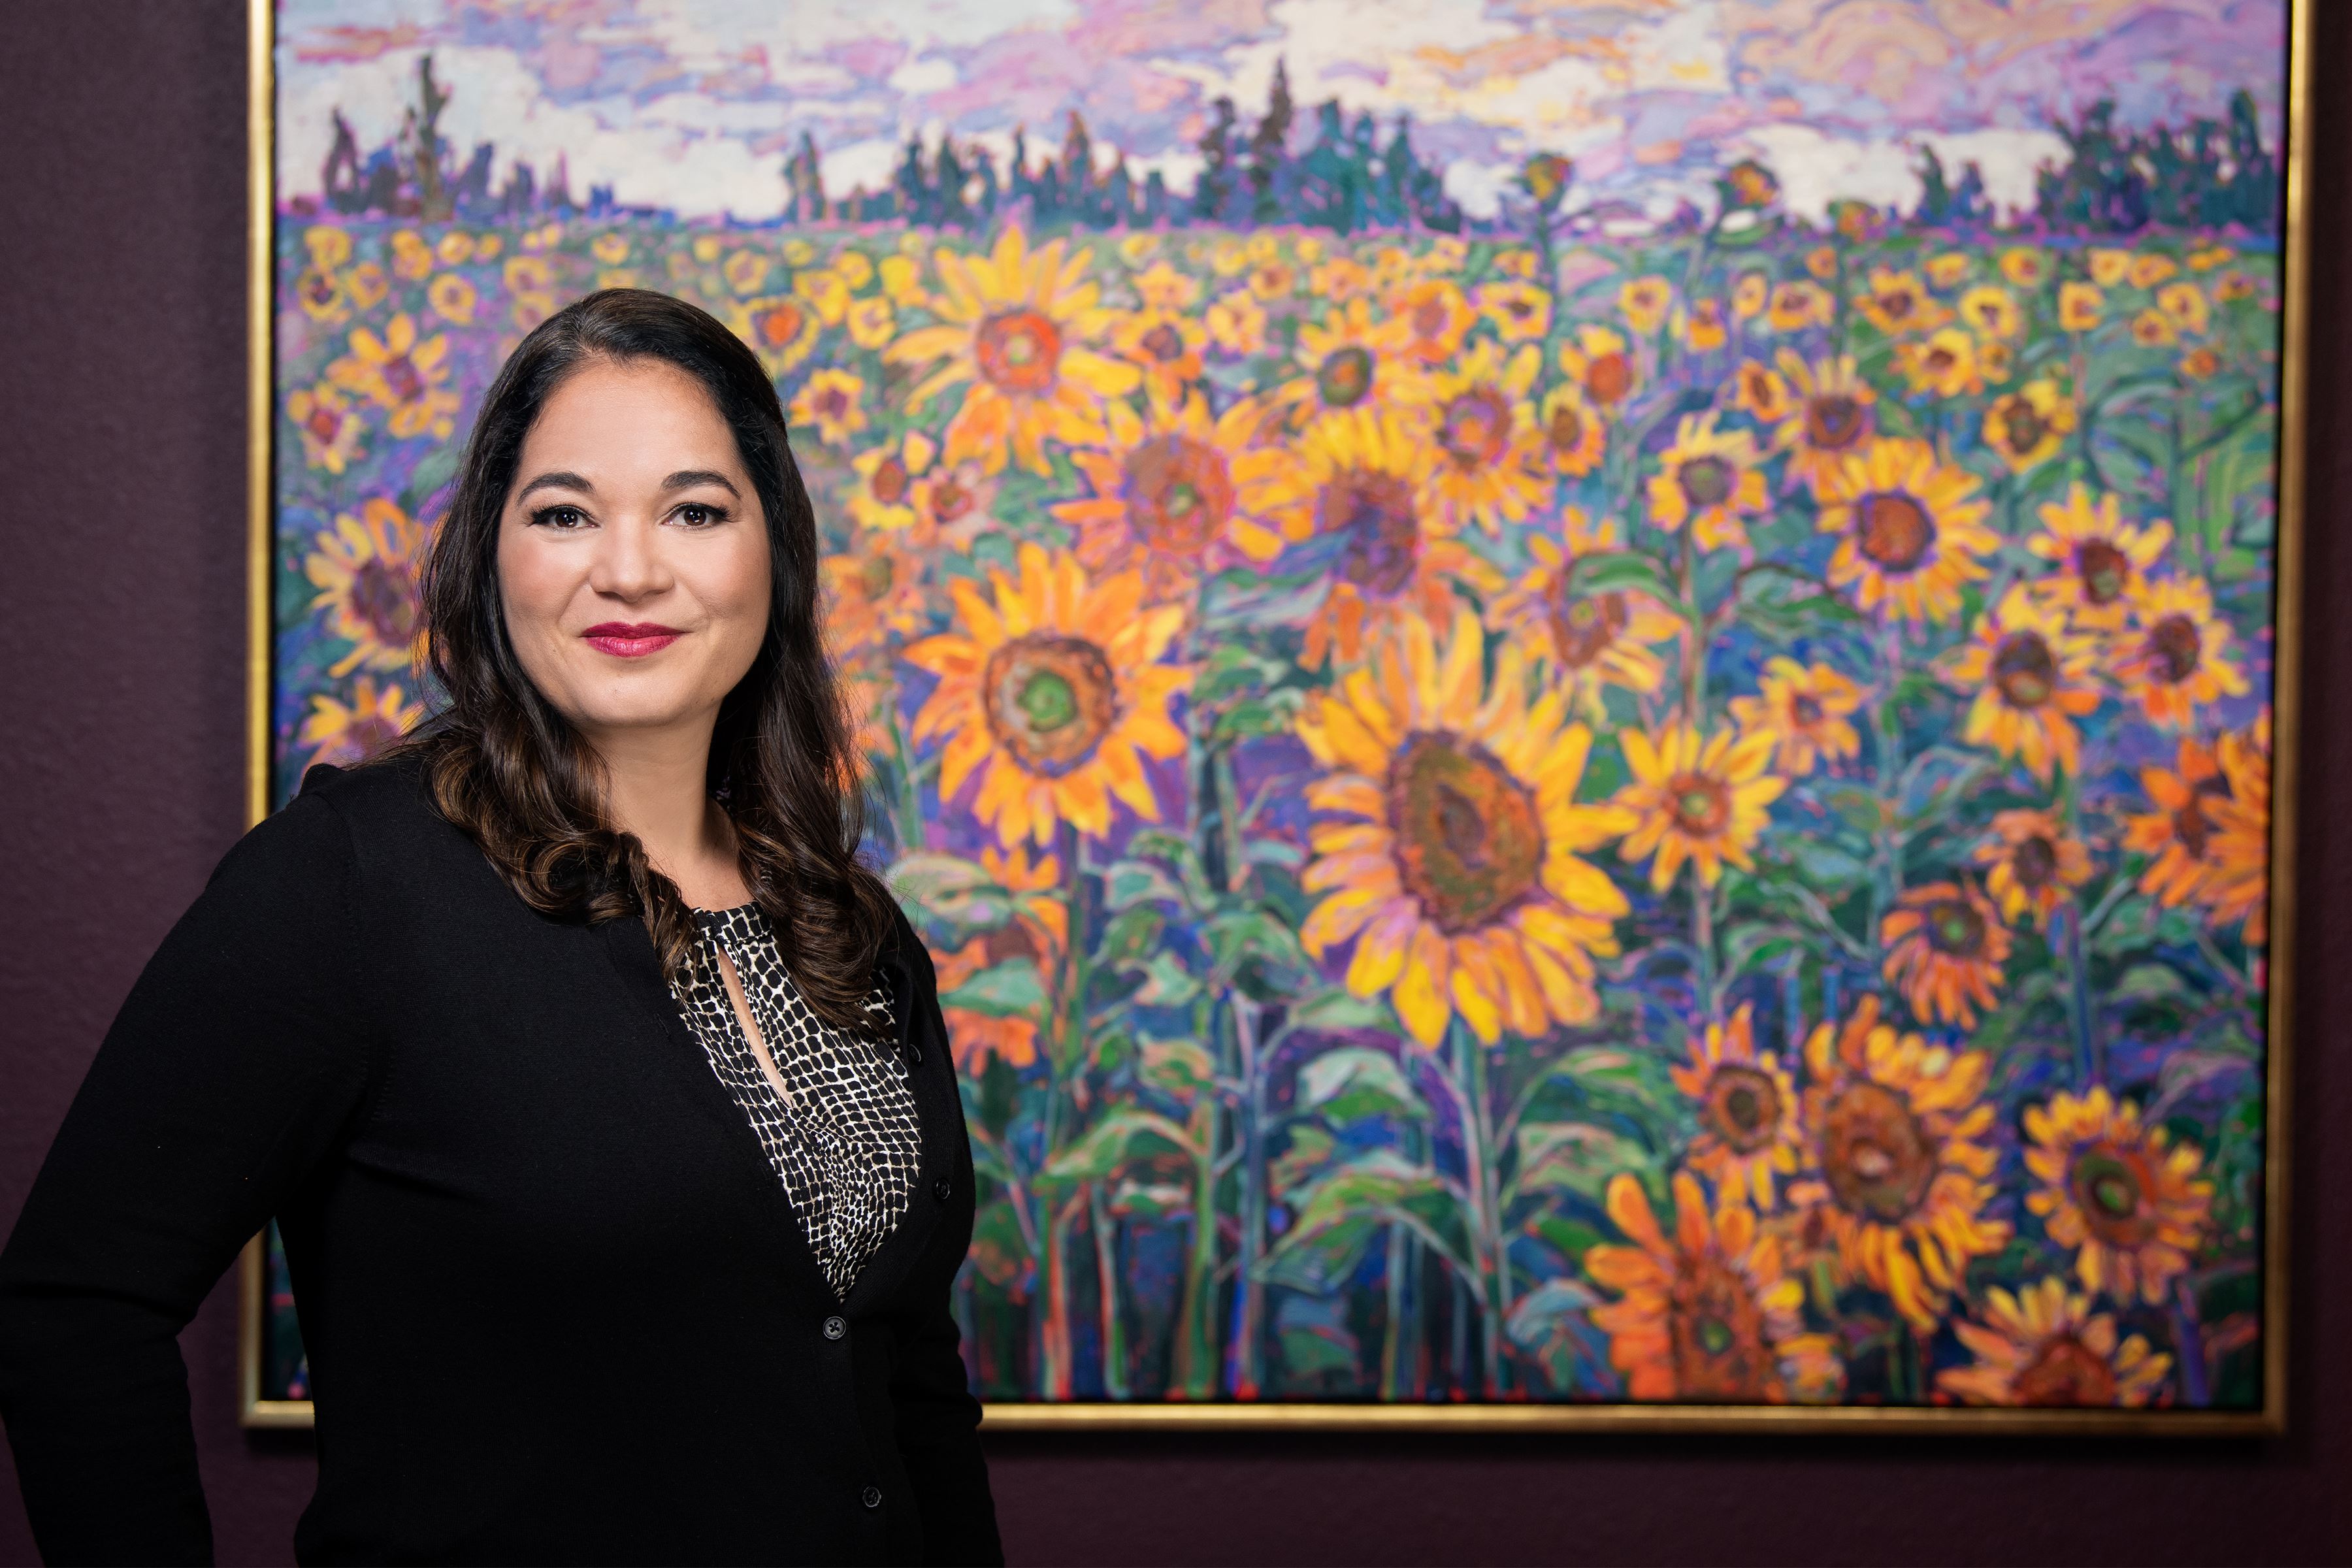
(624, 639)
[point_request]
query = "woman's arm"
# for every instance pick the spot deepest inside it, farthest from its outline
(234, 1065)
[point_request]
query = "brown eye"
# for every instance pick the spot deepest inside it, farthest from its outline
(699, 516)
(562, 518)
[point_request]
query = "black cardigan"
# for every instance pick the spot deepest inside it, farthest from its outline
(557, 1306)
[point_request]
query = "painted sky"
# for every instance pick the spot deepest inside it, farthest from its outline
(690, 104)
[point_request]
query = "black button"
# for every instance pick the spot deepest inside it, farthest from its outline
(834, 1327)
(942, 1188)
(871, 1497)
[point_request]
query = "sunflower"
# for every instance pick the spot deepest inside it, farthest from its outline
(2238, 888)
(2152, 328)
(2175, 656)
(319, 291)
(1913, 528)
(1575, 437)
(2081, 306)
(1945, 363)
(871, 322)
(1993, 310)
(1456, 863)
(2108, 266)
(781, 330)
(1165, 343)
(973, 1037)
(1437, 318)
(404, 374)
(2102, 560)
(1945, 946)
(873, 593)
(886, 480)
(746, 271)
(1895, 1168)
(2186, 304)
(344, 734)
(2025, 267)
(828, 293)
(2028, 425)
(1597, 362)
(2122, 1195)
(1750, 291)
(1521, 311)
(1749, 1134)
(1701, 800)
(1805, 710)
(1799, 304)
(1761, 393)
(1709, 480)
(2233, 286)
(2033, 677)
(1051, 689)
(1709, 1314)
(365, 569)
(1167, 497)
(1358, 479)
(1589, 641)
(1948, 270)
(952, 501)
(1485, 436)
(1898, 304)
(1014, 328)
(2179, 833)
(1701, 327)
(1237, 324)
(2198, 364)
(2035, 862)
(2044, 1347)
(829, 400)
(1039, 930)
(328, 426)
(2148, 269)
(1645, 301)
(1354, 359)
(1831, 419)
(452, 298)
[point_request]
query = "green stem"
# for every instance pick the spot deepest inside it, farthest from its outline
(1470, 1086)
(909, 803)
(1114, 1333)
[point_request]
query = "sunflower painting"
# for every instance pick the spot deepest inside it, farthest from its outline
(1564, 736)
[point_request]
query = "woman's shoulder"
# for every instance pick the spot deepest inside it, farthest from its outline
(376, 814)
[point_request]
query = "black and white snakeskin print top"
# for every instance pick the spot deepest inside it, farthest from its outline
(845, 1144)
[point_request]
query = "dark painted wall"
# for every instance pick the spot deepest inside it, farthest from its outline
(121, 714)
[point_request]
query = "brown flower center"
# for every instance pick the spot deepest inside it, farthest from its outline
(1898, 304)
(2102, 569)
(1940, 360)
(1717, 1329)
(1374, 513)
(1707, 481)
(1878, 1158)
(832, 403)
(1164, 343)
(1743, 1107)
(2065, 1371)
(2190, 826)
(1760, 395)
(2024, 427)
(401, 374)
(1700, 806)
(319, 287)
(2174, 646)
(2111, 1185)
(1345, 377)
(1475, 427)
(1894, 530)
(1179, 493)
(1583, 626)
(383, 599)
(1019, 352)
(951, 500)
(1805, 710)
(1833, 421)
(2025, 669)
(780, 324)
(2034, 862)
(324, 424)
(1049, 699)
(1608, 377)
(1955, 927)
(1468, 841)
(1565, 428)
(890, 481)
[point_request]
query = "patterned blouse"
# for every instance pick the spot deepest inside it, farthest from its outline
(846, 1144)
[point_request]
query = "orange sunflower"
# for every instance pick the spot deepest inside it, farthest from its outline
(1913, 528)
(1051, 690)
(1945, 946)
(345, 734)
(2238, 888)
(2122, 1195)
(1355, 359)
(1798, 304)
(1761, 393)
(365, 570)
(1039, 932)
(873, 593)
(2044, 1346)
(2102, 560)
(1574, 436)
(2035, 862)
(1700, 800)
(1455, 861)
(1749, 1135)
(1831, 419)
(2033, 677)
(1710, 479)
(1015, 326)
(1169, 496)
(2176, 657)
(1709, 1314)
(2179, 833)
(1588, 642)
(1806, 711)
(1600, 364)
(405, 376)
(1485, 469)
(1897, 1170)
(1437, 318)
(1165, 341)
(781, 330)
(1358, 479)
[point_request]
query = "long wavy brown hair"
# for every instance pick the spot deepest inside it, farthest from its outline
(505, 766)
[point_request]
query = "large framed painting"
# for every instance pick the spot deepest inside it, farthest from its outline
(1590, 706)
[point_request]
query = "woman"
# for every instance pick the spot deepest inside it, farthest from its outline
(601, 1094)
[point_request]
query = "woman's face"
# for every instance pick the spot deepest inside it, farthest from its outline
(632, 553)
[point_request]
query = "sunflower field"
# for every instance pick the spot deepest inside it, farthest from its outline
(1499, 818)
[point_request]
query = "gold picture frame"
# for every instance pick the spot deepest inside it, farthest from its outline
(2270, 1420)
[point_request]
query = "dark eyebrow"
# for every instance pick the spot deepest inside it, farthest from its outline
(686, 477)
(558, 480)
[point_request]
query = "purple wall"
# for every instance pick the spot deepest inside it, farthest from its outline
(121, 715)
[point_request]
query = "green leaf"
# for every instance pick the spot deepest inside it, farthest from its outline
(2148, 983)
(1118, 1140)
(1574, 1156)
(1007, 990)
(1353, 1082)
(1616, 571)
(433, 472)
(1151, 1200)
(1255, 716)
(1337, 1009)
(950, 888)
(1128, 935)
(1179, 1067)
(1166, 982)
(1252, 933)
(1338, 1218)
(1232, 667)
(1131, 882)
(1309, 1151)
